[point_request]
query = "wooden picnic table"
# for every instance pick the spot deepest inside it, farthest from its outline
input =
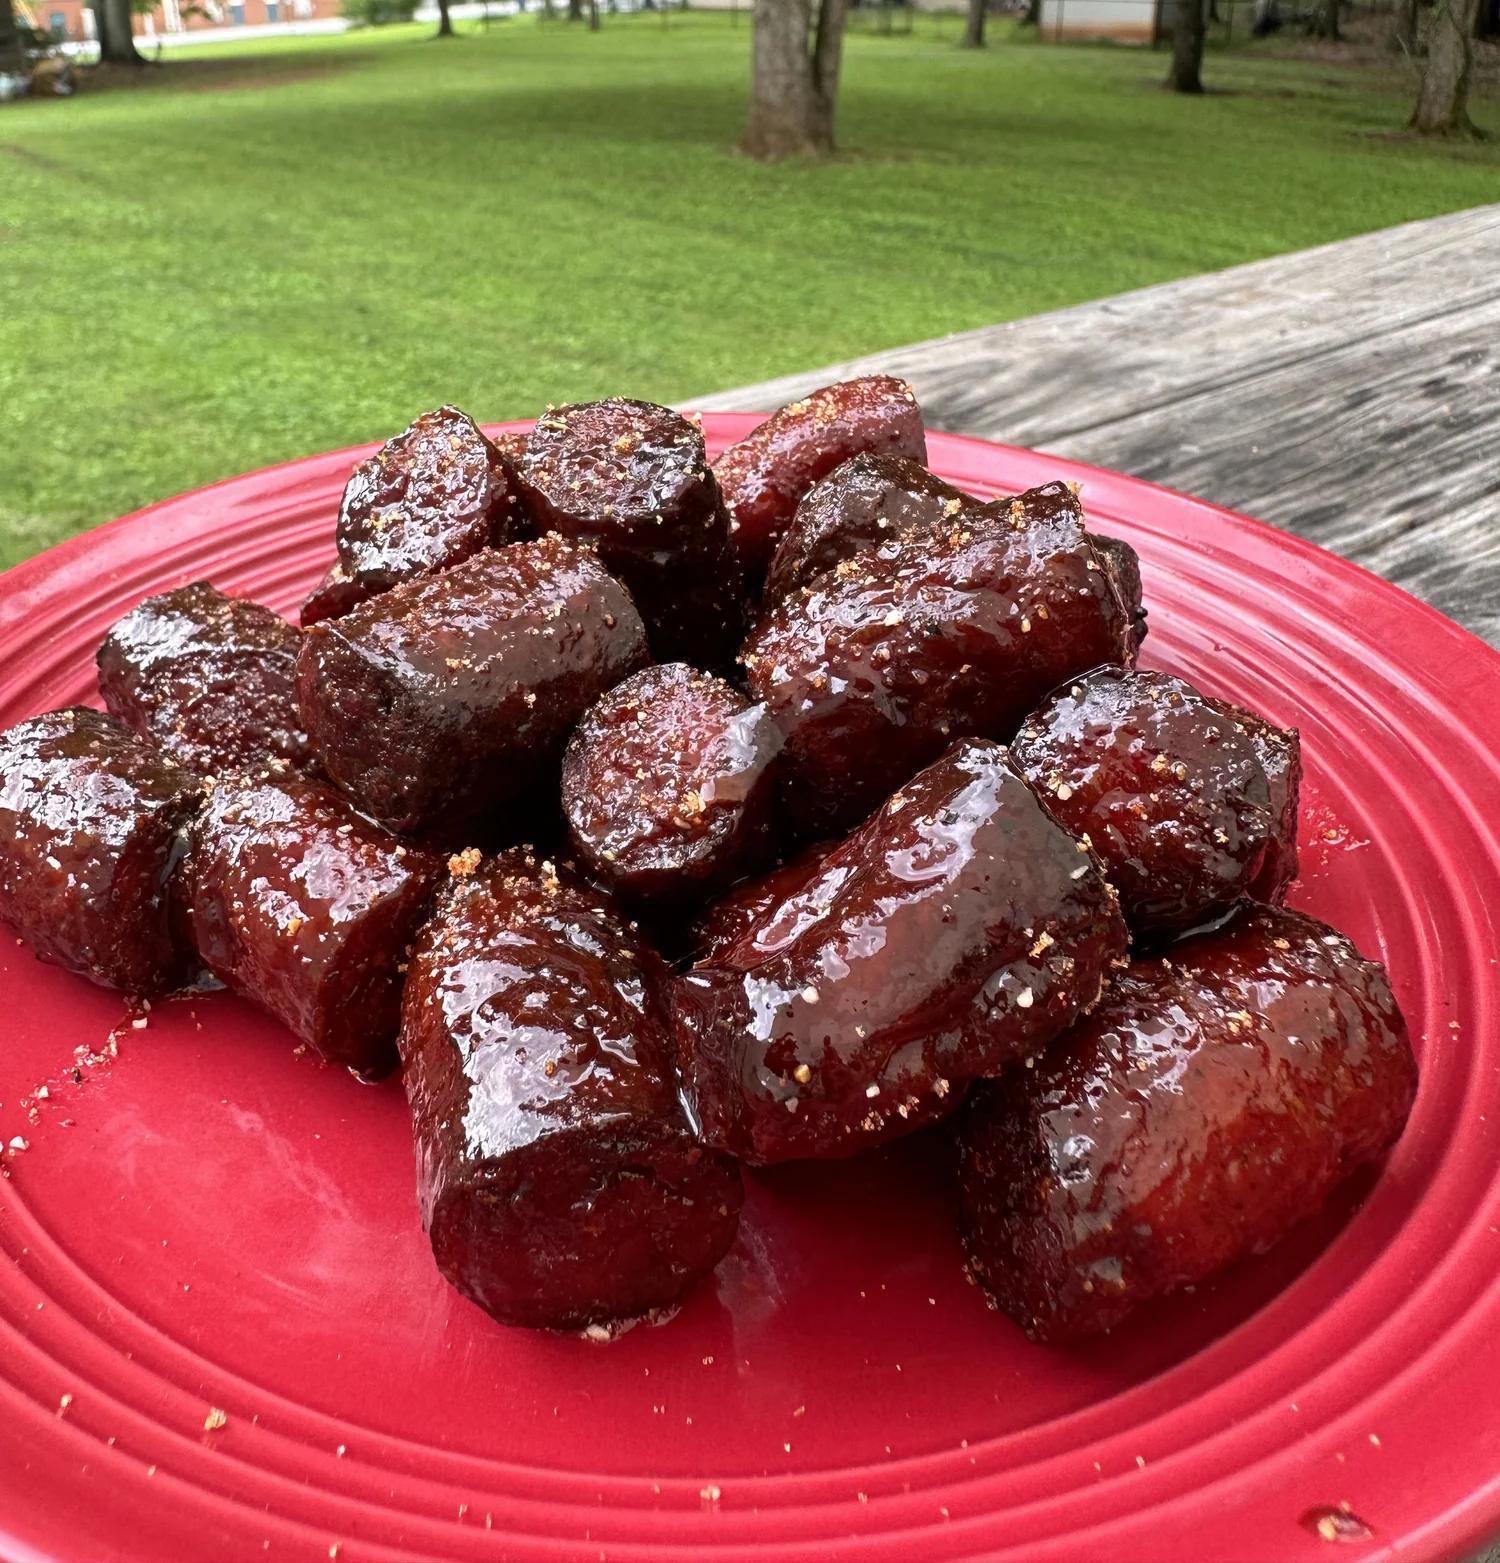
(1349, 393)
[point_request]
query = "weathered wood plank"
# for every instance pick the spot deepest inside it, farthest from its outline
(1349, 393)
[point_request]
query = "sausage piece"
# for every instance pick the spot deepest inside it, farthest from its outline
(512, 443)
(559, 1180)
(210, 679)
(1123, 566)
(863, 505)
(957, 931)
(332, 597)
(766, 474)
(426, 500)
(873, 669)
(453, 694)
(733, 920)
(307, 908)
(860, 507)
(667, 785)
(92, 822)
(1213, 1100)
(1168, 786)
(631, 479)
(1280, 751)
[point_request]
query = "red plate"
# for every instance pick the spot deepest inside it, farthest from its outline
(210, 1221)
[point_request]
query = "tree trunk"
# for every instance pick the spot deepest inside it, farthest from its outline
(1443, 98)
(1033, 17)
(798, 50)
(593, 16)
(445, 22)
(12, 60)
(1186, 74)
(1403, 37)
(974, 32)
(575, 10)
(112, 20)
(1326, 23)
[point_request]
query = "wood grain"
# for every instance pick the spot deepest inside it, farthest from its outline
(1349, 393)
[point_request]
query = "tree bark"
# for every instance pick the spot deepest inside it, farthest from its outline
(1404, 28)
(1326, 23)
(974, 31)
(1443, 98)
(593, 16)
(1186, 73)
(1033, 17)
(445, 22)
(12, 58)
(112, 20)
(797, 56)
(575, 10)
(1487, 22)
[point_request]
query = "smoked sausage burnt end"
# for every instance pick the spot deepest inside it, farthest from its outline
(863, 504)
(1166, 783)
(209, 678)
(559, 1180)
(427, 500)
(306, 908)
(1212, 1100)
(445, 696)
(332, 597)
(766, 474)
(734, 919)
(1123, 566)
(631, 479)
(91, 831)
(667, 785)
(956, 932)
(869, 501)
(957, 630)
(1280, 751)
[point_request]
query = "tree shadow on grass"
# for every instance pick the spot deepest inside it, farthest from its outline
(240, 73)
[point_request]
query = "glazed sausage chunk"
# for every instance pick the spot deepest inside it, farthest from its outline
(1213, 1100)
(869, 501)
(91, 831)
(873, 669)
(426, 500)
(957, 931)
(559, 1180)
(860, 507)
(1123, 566)
(631, 479)
(512, 443)
(210, 679)
(307, 909)
(766, 474)
(733, 919)
(446, 696)
(1166, 783)
(333, 596)
(1280, 751)
(667, 785)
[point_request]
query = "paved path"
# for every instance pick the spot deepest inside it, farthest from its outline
(1350, 393)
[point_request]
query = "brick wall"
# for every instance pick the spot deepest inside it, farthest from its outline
(73, 19)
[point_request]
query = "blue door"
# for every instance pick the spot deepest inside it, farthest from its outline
(57, 25)
(237, 14)
(273, 11)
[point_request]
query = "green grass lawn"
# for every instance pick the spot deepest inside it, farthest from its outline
(295, 246)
